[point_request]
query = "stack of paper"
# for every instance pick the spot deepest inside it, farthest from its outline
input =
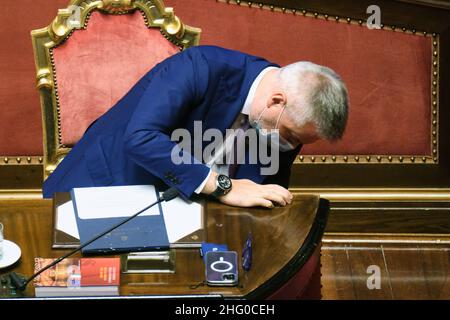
(183, 221)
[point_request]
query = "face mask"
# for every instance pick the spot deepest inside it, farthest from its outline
(272, 135)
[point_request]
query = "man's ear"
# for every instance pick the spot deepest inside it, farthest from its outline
(277, 99)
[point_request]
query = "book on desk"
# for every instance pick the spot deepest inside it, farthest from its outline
(77, 277)
(85, 212)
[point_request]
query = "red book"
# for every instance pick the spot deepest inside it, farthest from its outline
(78, 277)
(100, 271)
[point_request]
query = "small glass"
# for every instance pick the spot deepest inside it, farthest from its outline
(1, 241)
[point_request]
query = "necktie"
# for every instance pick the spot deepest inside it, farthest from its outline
(239, 140)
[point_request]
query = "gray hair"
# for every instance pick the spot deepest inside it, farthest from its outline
(322, 95)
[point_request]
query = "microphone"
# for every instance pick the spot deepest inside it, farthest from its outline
(170, 194)
(20, 283)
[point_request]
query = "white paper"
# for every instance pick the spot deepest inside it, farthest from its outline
(114, 202)
(182, 218)
(66, 219)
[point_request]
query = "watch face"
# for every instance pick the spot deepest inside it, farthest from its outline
(224, 182)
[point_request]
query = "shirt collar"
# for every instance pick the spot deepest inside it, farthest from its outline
(251, 93)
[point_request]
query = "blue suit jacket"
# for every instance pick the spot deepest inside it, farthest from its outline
(130, 144)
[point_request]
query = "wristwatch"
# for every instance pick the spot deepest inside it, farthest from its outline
(223, 186)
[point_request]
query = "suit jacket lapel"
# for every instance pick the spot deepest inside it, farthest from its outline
(232, 99)
(232, 95)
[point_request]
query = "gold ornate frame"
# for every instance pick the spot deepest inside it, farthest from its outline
(433, 158)
(46, 39)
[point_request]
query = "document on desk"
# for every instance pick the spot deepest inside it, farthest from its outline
(183, 219)
(184, 222)
(99, 208)
(66, 221)
(115, 202)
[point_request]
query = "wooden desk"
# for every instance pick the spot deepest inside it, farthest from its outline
(286, 250)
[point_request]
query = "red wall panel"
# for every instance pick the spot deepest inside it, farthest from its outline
(387, 73)
(20, 112)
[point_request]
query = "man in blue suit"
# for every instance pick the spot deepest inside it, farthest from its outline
(131, 143)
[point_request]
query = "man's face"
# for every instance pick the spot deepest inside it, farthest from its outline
(268, 108)
(296, 135)
(288, 130)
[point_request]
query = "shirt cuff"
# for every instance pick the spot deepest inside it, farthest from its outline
(202, 185)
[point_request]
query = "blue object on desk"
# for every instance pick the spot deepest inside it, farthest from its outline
(146, 233)
(206, 247)
(247, 253)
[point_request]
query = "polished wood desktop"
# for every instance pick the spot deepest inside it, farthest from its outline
(286, 250)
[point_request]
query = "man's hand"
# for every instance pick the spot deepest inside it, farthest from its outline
(246, 193)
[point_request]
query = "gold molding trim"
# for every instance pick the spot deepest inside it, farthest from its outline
(365, 159)
(21, 160)
(333, 238)
(117, 6)
(433, 156)
(44, 40)
(378, 194)
(22, 194)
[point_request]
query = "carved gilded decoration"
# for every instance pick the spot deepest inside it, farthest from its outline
(69, 20)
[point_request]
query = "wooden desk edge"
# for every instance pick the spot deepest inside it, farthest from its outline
(283, 276)
(305, 252)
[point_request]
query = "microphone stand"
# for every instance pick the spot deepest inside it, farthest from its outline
(20, 283)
